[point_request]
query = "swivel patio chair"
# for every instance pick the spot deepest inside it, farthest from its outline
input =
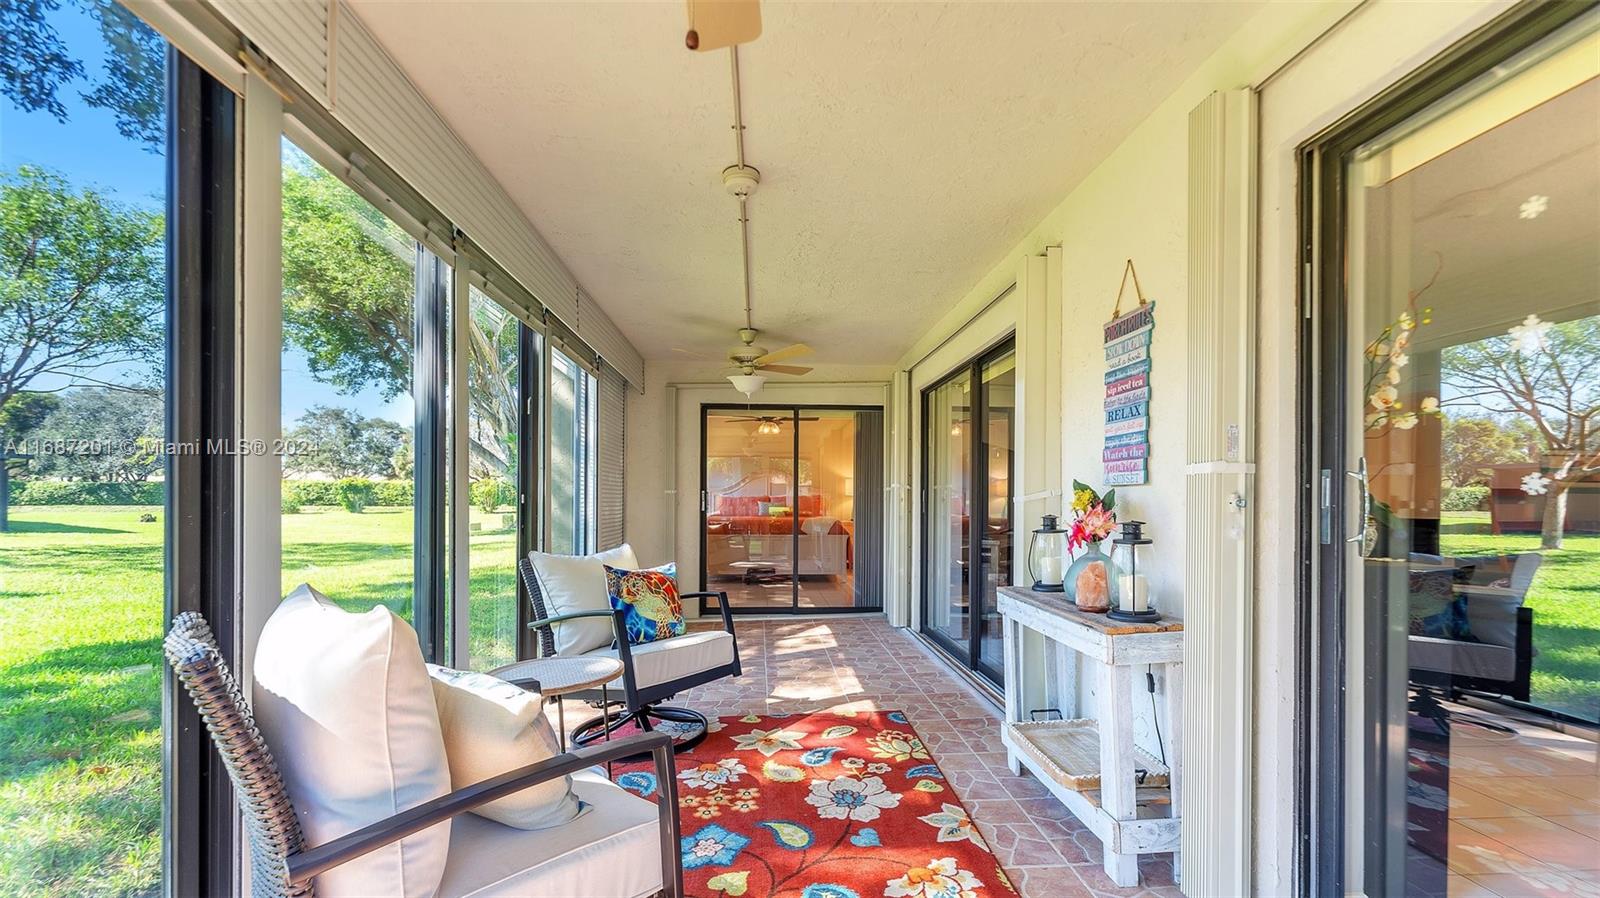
(651, 672)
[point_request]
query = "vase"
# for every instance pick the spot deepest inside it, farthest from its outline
(1091, 581)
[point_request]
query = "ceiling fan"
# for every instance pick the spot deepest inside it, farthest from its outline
(768, 425)
(751, 362)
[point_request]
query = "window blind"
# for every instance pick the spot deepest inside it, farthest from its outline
(613, 444)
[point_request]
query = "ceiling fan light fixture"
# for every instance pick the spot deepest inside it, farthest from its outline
(769, 428)
(748, 384)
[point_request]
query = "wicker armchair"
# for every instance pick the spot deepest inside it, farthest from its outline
(281, 863)
(646, 682)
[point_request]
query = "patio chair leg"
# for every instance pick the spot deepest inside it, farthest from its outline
(598, 728)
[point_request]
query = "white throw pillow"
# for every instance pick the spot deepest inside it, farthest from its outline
(490, 727)
(572, 583)
(346, 704)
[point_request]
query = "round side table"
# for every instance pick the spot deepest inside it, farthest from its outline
(555, 677)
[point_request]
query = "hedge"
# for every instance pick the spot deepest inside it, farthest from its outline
(1465, 498)
(296, 493)
(81, 492)
(300, 493)
(490, 494)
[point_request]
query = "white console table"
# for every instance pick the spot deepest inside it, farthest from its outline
(1091, 764)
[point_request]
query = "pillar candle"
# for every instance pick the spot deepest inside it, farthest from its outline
(1050, 570)
(1133, 593)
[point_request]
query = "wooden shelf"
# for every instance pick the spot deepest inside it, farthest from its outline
(1069, 753)
(1092, 765)
(1095, 636)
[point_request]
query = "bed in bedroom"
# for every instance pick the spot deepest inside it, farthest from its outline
(752, 536)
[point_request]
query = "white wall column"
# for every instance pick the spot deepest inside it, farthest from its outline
(897, 593)
(1214, 796)
(260, 341)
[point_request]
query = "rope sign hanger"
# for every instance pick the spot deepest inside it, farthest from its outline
(1126, 272)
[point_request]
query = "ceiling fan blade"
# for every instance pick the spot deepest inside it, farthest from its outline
(714, 24)
(787, 352)
(785, 369)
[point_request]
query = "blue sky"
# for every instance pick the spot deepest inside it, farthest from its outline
(88, 151)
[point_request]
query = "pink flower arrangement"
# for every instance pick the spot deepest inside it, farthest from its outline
(1093, 516)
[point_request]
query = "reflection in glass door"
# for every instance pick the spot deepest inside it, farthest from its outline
(1472, 574)
(968, 467)
(793, 508)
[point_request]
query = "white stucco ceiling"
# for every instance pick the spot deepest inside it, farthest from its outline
(904, 147)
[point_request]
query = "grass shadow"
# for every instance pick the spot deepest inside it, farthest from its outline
(52, 527)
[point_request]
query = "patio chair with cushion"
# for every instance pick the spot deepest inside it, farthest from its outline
(573, 616)
(366, 775)
(1489, 649)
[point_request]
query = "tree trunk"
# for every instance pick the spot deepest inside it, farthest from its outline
(1555, 515)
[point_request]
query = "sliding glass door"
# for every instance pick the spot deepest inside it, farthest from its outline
(783, 529)
(967, 470)
(1460, 550)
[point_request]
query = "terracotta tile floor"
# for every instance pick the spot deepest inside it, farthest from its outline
(1524, 812)
(862, 663)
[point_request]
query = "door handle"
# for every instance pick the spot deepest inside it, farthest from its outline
(1360, 477)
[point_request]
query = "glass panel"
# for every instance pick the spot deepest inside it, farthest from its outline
(750, 507)
(825, 509)
(493, 411)
(999, 404)
(349, 299)
(1475, 271)
(82, 410)
(946, 553)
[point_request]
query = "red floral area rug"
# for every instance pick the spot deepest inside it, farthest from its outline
(837, 805)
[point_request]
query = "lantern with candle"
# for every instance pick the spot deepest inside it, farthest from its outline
(1133, 591)
(1046, 555)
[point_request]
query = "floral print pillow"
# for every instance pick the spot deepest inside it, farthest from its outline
(650, 598)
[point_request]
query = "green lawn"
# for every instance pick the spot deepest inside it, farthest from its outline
(80, 674)
(1565, 598)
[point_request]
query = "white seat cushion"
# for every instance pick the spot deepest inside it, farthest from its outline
(666, 660)
(345, 702)
(612, 851)
(490, 727)
(573, 583)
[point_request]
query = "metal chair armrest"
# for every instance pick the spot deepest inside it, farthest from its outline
(546, 621)
(309, 862)
(722, 604)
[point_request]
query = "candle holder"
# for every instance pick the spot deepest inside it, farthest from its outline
(1045, 553)
(1133, 592)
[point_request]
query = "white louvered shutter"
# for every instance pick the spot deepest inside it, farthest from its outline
(613, 450)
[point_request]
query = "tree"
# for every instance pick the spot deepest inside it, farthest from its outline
(25, 412)
(342, 443)
(347, 283)
(1472, 445)
(134, 84)
(349, 293)
(1548, 374)
(36, 62)
(492, 338)
(37, 65)
(115, 435)
(84, 283)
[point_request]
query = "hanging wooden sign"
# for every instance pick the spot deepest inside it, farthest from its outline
(1127, 342)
